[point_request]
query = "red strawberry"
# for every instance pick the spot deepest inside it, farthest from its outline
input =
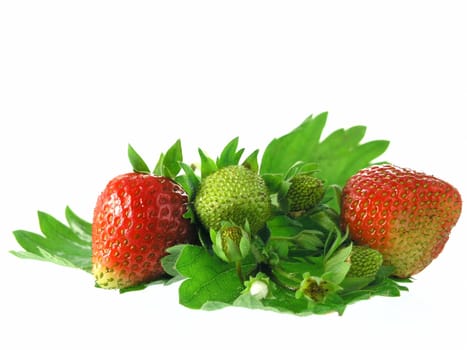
(406, 215)
(136, 218)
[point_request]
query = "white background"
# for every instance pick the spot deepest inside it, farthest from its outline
(79, 80)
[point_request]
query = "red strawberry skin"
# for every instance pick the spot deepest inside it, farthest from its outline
(404, 214)
(136, 218)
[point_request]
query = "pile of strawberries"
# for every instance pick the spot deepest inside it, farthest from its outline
(405, 215)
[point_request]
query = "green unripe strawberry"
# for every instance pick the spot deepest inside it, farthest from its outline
(233, 234)
(364, 262)
(304, 193)
(236, 194)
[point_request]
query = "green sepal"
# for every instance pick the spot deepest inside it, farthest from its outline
(258, 286)
(204, 238)
(231, 248)
(251, 162)
(168, 164)
(138, 164)
(273, 182)
(316, 289)
(189, 180)
(190, 183)
(280, 182)
(321, 218)
(337, 265)
(334, 241)
(311, 240)
(208, 165)
(230, 155)
(289, 235)
(190, 214)
(300, 167)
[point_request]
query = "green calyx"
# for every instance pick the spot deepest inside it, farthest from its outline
(168, 165)
(236, 194)
(304, 193)
(315, 289)
(231, 243)
(364, 262)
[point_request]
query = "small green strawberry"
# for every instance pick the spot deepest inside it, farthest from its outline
(404, 214)
(236, 194)
(231, 243)
(364, 262)
(304, 193)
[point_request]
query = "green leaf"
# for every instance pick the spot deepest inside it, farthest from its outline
(324, 219)
(284, 226)
(59, 243)
(338, 156)
(344, 156)
(209, 278)
(284, 301)
(137, 162)
(355, 283)
(169, 262)
(386, 287)
(80, 227)
(58, 232)
(283, 152)
(44, 256)
(56, 259)
(37, 244)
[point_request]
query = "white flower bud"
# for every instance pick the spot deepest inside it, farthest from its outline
(259, 289)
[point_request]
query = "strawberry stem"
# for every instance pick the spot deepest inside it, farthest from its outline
(238, 266)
